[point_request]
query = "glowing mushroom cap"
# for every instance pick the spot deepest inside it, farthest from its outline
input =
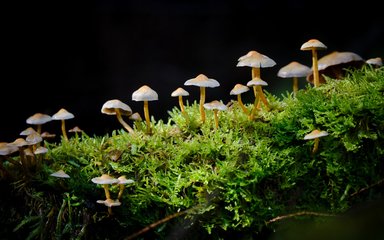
(215, 104)
(60, 174)
(313, 44)
(179, 92)
(239, 89)
(124, 180)
(315, 134)
(38, 119)
(257, 82)
(110, 106)
(294, 69)
(255, 59)
(104, 179)
(202, 81)
(62, 114)
(145, 93)
(110, 202)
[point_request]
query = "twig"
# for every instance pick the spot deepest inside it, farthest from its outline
(366, 188)
(155, 224)
(299, 214)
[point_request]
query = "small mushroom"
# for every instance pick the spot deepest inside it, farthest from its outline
(118, 108)
(27, 131)
(255, 82)
(105, 180)
(375, 62)
(145, 94)
(136, 120)
(60, 174)
(63, 115)
(122, 182)
(38, 119)
(294, 70)
(179, 93)
(315, 135)
(216, 105)
(237, 90)
(109, 203)
(202, 81)
(314, 45)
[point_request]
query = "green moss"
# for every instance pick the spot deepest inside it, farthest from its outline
(232, 180)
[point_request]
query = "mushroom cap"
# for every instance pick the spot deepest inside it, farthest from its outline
(27, 131)
(377, 61)
(110, 202)
(215, 104)
(255, 59)
(104, 179)
(20, 142)
(60, 174)
(313, 44)
(179, 92)
(46, 135)
(294, 69)
(7, 148)
(38, 118)
(257, 82)
(34, 138)
(315, 134)
(135, 117)
(75, 129)
(239, 89)
(124, 180)
(110, 106)
(202, 81)
(145, 93)
(40, 150)
(62, 114)
(28, 152)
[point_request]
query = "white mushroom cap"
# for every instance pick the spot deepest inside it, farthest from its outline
(20, 142)
(62, 114)
(135, 117)
(294, 69)
(335, 58)
(110, 106)
(40, 150)
(27, 131)
(60, 174)
(239, 89)
(257, 82)
(124, 180)
(255, 59)
(109, 202)
(34, 138)
(179, 92)
(104, 179)
(313, 44)
(215, 104)
(315, 134)
(202, 81)
(144, 93)
(377, 61)
(7, 148)
(38, 119)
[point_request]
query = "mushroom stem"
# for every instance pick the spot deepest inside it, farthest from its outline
(147, 118)
(295, 85)
(316, 145)
(258, 89)
(181, 104)
(63, 130)
(253, 112)
(121, 190)
(106, 190)
(241, 104)
(121, 120)
(215, 112)
(202, 100)
(315, 68)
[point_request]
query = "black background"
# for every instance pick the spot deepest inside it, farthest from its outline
(77, 55)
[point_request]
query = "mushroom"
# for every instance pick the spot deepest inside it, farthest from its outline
(203, 82)
(376, 62)
(294, 70)
(6, 149)
(136, 119)
(315, 135)
(38, 119)
(314, 45)
(60, 174)
(63, 115)
(27, 131)
(109, 203)
(105, 180)
(118, 108)
(256, 60)
(256, 82)
(21, 144)
(122, 182)
(334, 65)
(145, 94)
(179, 93)
(237, 90)
(216, 105)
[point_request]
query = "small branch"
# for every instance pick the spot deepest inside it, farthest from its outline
(299, 214)
(367, 188)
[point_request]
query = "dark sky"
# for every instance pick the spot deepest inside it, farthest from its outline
(78, 55)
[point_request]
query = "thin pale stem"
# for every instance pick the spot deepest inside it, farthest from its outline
(295, 87)
(122, 122)
(121, 190)
(316, 81)
(106, 191)
(215, 111)
(245, 110)
(202, 101)
(316, 145)
(147, 117)
(63, 130)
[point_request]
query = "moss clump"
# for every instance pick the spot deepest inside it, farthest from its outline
(237, 180)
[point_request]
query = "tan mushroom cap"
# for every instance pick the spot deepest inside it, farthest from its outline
(145, 93)
(34, 138)
(257, 82)
(27, 131)
(135, 117)
(124, 180)
(255, 59)
(109, 202)
(62, 114)
(215, 104)
(239, 89)
(38, 119)
(315, 134)
(104, 179)
(294, 69)
(75, 129)
(40, 150)
(20, 142)
(377, 61)
(313, 44)
(47, 135)
(202, 80)
(7, 148)
(60, 174)
(110, 106)
(336, 57)
(179, 92)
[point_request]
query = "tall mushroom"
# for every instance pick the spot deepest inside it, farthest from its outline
(237, 90)
(145, 94)
(294, 70)
(203, 82)
(256, 82)
(256, 60)
(38, 119)
(118, 108)
(179, 93)
(314, 45)
(315, 135)
(63, 115)
(216, 105)
(105, 180)
(122, 182)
